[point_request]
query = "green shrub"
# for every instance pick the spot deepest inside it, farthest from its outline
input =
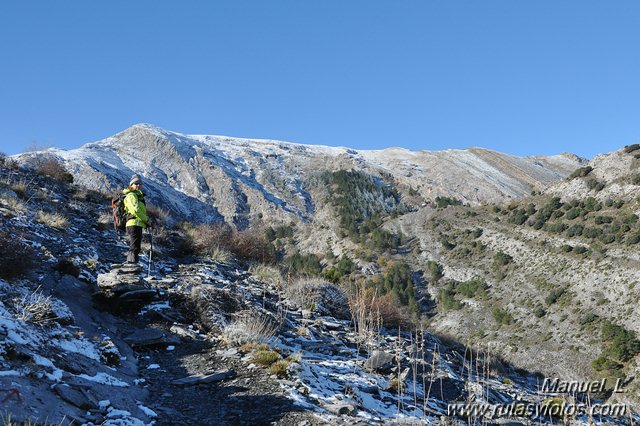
(544, 214)
(502, 317)
(620, 344)
(303, 264)
(588, 318)
(502, 259)
(475, 287)
(581, 172)
(595, 185)
(580, 249)
(629, 219)
(283, 231)
(603, 363)
(343, 268)
(518, 216)
(592, 232)
(607, 238)
(573, 213)
(434, 271)
(555, 228)
(380, 240)
(575, 230)
(633, 239)
(447, 298)
(443, 202)
(265, 358)
(631, 148)
(603, 219)
(590, 204)
(398, 280)
(554, 295)
(539, 312)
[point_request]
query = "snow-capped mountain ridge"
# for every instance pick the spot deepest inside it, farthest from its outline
(239, 180)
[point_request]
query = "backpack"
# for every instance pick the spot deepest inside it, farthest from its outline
(120, 215)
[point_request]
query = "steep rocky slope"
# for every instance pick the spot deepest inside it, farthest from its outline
(79, 345)
(541, 279)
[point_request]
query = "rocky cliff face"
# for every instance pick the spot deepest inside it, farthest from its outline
(213, 178)
(612, 175)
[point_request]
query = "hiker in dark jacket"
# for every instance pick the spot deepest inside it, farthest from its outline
(137, 217)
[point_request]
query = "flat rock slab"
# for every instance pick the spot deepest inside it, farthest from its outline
(151, 337)
(143, 295)
(205, 379)
(76, 397)
(111, 280)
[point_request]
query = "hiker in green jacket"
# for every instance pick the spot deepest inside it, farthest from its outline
(137, 217)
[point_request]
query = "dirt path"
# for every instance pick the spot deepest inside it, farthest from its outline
(249, 396)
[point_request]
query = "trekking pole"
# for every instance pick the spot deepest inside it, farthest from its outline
(150, 253)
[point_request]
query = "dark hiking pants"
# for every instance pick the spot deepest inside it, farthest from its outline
(134, 233)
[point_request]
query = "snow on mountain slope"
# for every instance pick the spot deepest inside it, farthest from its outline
(211, 178)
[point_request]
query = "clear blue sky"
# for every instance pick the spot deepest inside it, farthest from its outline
(524, 77)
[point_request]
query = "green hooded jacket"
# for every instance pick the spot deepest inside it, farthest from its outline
(134, 206)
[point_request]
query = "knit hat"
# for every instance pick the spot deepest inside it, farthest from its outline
(135, 179)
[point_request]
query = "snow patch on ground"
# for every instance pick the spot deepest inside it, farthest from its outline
(104, 379)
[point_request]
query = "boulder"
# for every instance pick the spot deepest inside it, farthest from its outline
(379, 360)
(342, 409)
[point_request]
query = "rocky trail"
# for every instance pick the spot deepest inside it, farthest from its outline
(190, 377)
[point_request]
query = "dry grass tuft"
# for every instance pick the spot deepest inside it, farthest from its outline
(15, 205)
(250, 327)
(35, 308)
(54, 220)
(105, 221)
(367, 320)
(159, 215)
(280, 367)
(20, 187)
(370, 312)
(267, 274)
(265, 358)
(319, 295)
(212, 306)
(211, 240)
